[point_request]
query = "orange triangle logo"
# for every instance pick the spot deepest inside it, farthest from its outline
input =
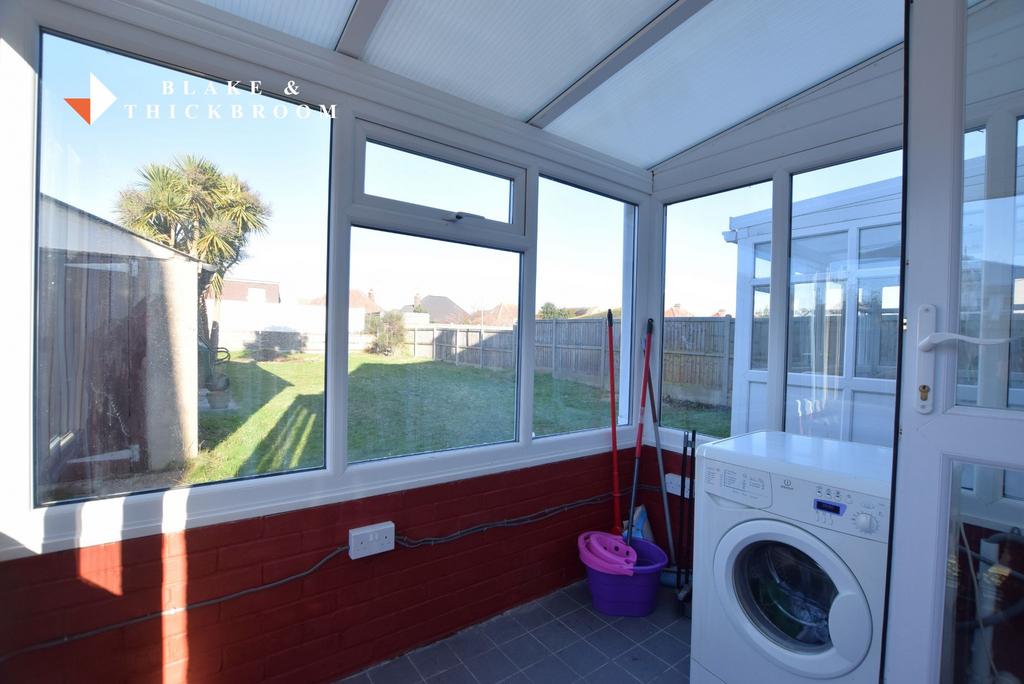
(80, 105)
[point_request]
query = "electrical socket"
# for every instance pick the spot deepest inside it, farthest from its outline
(371, 539)
(673, 483)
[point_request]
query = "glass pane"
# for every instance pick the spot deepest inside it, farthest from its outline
(140, 383)
(786, 595)
(1013, 484)
(821, 254)
(878, 327)
(710, 259)
(584, 269)
(759, 328)
(816, 328)
(433, 345)
(984, 580)
(763, 260)
(992, 274)
(879, 248)
(409, 177)
(844, 290)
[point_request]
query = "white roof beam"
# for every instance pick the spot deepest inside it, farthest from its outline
(670, 19)
(359, 27)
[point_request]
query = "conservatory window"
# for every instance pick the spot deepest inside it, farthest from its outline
(140, 384)
(433, 345)
(715, 330)
(844, 322)
(584, 270)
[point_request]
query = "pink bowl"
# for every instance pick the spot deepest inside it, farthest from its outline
(606, 553)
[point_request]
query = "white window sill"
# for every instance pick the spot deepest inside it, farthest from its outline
(73, 525)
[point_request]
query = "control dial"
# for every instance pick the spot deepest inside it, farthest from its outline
(865, 522)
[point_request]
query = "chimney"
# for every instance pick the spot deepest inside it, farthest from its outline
(369, 295)
(416, 300)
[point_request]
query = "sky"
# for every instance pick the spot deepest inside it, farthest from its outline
(285, 160)
(580, 234)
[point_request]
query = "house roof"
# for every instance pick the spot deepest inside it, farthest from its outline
(441, 309)
(357, 299)
(126, 241)
(501, 315)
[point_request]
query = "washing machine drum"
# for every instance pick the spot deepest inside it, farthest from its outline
(793, 598)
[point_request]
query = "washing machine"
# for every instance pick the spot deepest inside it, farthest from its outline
(791, 537)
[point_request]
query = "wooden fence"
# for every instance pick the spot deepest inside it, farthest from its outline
(698, 351)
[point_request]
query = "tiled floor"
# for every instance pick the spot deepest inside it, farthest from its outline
(554, 640)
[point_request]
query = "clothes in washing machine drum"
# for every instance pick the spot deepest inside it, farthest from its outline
(786, 594)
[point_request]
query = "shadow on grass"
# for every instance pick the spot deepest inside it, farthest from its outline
(295, 441)
(251, 388)
(278, 423)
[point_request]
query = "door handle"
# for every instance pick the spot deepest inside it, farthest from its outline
(927, 341)
(933, 340)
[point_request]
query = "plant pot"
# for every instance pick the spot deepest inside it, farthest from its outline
(218, 399)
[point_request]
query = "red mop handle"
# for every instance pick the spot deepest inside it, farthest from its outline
(617, 508)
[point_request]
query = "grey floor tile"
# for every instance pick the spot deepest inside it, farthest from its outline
(524, 650)
(610, 673)
(636, 628)
(641, 663)
(397, 671)
(578, 592)
(517, 678)
(671, 676)
(667, 647)
(503, 628)
(491, 667)
(667, 610)
(610, 641)
(583, 621)
(456, 675)
(559, 603)
(532, 615)
(469, 642)
(582, 657)
(433, 659)
(555, 635)
(361, 678)
(680, 629)
(550, 670)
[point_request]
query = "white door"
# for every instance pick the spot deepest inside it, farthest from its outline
(961, 448)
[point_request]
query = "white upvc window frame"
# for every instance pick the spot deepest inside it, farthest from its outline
(367, 131)
(196, 39)
(780, 169)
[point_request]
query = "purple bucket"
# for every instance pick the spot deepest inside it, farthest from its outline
(629, 595)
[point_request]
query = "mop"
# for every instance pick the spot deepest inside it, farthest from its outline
(617, 509)
(667, 579)
(647, 390)
(684, 587)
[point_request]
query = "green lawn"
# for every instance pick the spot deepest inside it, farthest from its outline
(397, 405)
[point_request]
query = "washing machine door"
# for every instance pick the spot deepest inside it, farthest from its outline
(793, 598)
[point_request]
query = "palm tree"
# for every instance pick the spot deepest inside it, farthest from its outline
(193, 207)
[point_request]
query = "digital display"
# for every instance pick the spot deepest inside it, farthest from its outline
(829, 506)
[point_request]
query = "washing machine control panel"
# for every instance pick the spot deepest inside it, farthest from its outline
(831, 506)
(743, 485)
(825, 505)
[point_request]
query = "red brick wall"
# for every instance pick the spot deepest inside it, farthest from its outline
(347, 615)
